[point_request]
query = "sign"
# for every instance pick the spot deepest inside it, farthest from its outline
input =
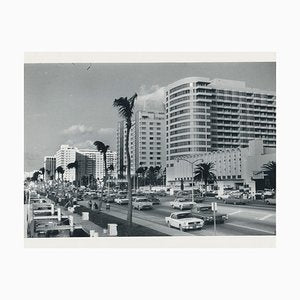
(214, 206)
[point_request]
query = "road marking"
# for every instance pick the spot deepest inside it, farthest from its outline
(265, 217)
(235, 212)
(251, 228)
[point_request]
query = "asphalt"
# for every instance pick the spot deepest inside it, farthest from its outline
(243, 219)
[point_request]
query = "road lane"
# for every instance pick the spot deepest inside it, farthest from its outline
(242, 221)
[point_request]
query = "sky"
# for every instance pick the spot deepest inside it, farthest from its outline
(72, 103)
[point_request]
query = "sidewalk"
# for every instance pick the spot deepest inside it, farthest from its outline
(142, 222)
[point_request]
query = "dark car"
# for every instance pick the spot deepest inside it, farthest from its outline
(207, 215)
(153, 199)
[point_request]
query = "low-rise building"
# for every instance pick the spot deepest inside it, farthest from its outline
(233, 167)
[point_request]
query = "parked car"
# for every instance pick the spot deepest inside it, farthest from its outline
(259, 194)
(270, 199)
(153, 199)
(207, 215)
(184, 221)
(121, 201)
(141, 203)
(189, 196)
(182, 203)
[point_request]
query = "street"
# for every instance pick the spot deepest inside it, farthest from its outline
(242, 220)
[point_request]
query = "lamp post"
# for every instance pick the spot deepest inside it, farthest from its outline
(192, 163)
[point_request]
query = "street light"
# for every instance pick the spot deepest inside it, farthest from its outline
(192, 164)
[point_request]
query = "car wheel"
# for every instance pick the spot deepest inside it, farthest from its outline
(267, 202)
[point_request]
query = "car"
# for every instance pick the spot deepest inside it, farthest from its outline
(109, 199)
(223, 196)
(259, 194)
(141, 203)
(233, 199)
(153, 199)
(270, 199)
(184, 221)
(207, 215)
(121, 201)
(122, 194)
(182, 203)
(210, 194)
(161, 193)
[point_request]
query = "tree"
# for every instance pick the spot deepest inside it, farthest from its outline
(35, 176)
(60, 170)
(204, 171)
(126, 109)
(74, 165)
(42, 170)
(270, 170)
(102, 148)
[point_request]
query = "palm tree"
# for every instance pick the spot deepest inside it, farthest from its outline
(270, 170)
(125, 107)
(42, 170)
(75, 166)
(204, 171)
(102, 148)
(61, 171)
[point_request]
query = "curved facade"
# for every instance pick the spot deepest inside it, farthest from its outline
(188, 117)
(204, 115)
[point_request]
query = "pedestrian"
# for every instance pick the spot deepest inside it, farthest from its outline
(95, 206)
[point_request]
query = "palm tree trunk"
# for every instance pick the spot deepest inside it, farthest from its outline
(129, 215)
(104, 181)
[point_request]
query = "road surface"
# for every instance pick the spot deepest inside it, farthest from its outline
(242, 219)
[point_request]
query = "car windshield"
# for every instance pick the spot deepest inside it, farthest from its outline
(185, 215)
(183, 200)
(204, 209)
(141, 200)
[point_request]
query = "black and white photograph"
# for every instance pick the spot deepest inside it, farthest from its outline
(154, 149)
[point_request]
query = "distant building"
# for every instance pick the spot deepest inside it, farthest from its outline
(146, 141)
(50, 166)
(91, 163)
(65, 155)
(233, 167)
(150, 133)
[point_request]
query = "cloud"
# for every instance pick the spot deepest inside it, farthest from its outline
(77, 129)
(82, 136)
(150, 98)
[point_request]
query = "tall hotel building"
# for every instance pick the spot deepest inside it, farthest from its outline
(204, 115)
(50, 166)
(64, 156)
(146, 143)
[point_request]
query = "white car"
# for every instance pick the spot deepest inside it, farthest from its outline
(141, 203)
(121, 201)
(184, 221)
(271, 200)
(182, 203)
(223, 197)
